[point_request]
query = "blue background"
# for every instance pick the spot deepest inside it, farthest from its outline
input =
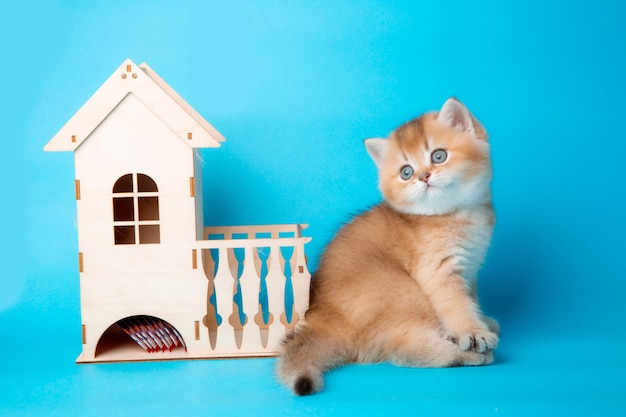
(295, 87)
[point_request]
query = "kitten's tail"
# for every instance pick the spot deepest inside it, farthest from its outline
(304, 358)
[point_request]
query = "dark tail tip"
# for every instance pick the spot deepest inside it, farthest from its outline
(304, 386)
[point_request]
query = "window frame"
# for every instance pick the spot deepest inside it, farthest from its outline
(137, 209)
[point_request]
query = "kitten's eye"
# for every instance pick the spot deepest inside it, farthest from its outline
(439, 156)
(406, 173)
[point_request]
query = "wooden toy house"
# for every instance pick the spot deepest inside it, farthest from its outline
(155, 283)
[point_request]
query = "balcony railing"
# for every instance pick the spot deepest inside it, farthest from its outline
(258, 286)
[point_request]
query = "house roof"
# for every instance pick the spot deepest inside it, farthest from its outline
(155, 93)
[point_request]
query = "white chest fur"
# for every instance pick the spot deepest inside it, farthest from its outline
(458, 244)
(472, 241)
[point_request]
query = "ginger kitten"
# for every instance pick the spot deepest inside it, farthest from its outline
(398, 283)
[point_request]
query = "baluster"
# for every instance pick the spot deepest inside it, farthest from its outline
(225, 285)
(211, 319)
(250, 285)
(289, 317)
(236, 319)
(262, 318)
(275, 282)
(300, 280)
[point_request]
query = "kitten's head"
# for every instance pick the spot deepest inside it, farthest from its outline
(435, 164)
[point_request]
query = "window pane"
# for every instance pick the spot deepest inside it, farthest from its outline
(148, 208)
(149, 233)
(124, 184)
(124, 235)
(123, 209)
(145, 184)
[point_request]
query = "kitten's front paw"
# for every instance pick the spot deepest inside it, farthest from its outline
(479, 341)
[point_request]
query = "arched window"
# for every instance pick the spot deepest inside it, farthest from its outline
(136, 210)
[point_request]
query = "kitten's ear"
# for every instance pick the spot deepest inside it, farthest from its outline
(377, 148)
(454, 114)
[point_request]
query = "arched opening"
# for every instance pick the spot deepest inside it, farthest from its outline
(139, 337)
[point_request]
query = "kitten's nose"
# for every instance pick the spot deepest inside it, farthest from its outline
(424, 176)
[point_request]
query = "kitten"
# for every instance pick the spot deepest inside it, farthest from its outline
(398, 283)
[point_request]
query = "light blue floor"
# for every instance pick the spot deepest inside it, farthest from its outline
(532, 376)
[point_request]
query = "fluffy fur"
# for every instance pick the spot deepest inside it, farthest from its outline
(398, 283)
